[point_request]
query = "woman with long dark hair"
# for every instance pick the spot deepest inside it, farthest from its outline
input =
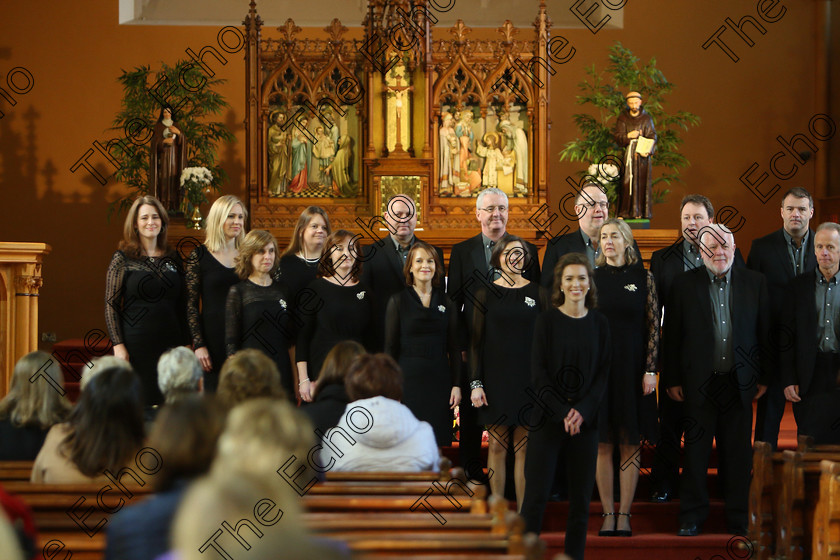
(259, 312)
(210, 272)
(569, 369)
(145, 296)
(421, 334)
(339, 308)
(104, 431)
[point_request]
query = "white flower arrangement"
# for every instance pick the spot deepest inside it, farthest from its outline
(603, 173)
(199, 175)
(195, 182)
(361, 295)
(530, 302)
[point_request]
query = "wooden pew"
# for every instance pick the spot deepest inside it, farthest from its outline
(764, 498)
(15, 470)
(826, 533)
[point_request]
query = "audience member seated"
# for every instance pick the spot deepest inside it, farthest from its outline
(31, 408)
(260, 437)
(330, 395)
(101, 363)
(266, 520)
(179, 374)
(103, 431)
(185, 435)
(388, 436)
(248, 374)
(23, 526)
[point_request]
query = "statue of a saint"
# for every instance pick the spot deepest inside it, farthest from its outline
(634, 131)
(168, 157)
(448, 152)
(278, 155)
(517, 142)
(301, 156)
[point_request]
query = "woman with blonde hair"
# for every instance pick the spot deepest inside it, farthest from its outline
(210, 273)
(299, 262)
(343, 310)
(249, 374)
(259, 309)
(34, 404)
(145, 297)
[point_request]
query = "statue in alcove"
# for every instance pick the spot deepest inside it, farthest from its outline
(168, 157)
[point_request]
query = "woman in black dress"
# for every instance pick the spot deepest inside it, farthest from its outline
(299, 262)
(339, 308)
(145, 297)
(627, 296)
(500, 351)
(421, 334)
(210, 274)
(258, 312)
(570, 365)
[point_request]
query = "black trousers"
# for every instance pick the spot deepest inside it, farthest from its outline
(547, 444)
(769, 412)
(665, 473)
(723, 417)
(818, 414)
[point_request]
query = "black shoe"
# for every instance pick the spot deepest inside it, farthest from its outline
(660, 496)
(688, 530)
(606, 532)
(624, 532)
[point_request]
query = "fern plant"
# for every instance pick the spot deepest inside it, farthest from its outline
(605, 94)
(144, 92)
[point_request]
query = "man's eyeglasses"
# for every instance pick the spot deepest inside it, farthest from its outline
(602, 205)
(491, 209)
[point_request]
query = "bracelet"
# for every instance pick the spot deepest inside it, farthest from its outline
(476, 384)
(653, 373)
(302, 382)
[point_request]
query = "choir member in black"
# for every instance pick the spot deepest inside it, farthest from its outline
(570, 365)
(259, 313)
(500, 344)
(421, 334)
(299, 262)
(210, 274)
(627, 296)
(145, 297)
(330, 399)
(339, 309)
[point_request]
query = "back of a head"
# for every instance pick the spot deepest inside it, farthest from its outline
(36, 395)
(107, 422)
(186, 433)
(264, 516)
(261, 436)
(101, 363)
(373, 375)
(248, 374)
(179, 373)
(337, 363)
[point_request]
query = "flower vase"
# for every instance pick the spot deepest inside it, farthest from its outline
(195, 219)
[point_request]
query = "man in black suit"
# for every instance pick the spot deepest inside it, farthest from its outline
(780, 256)
(696, 212)
(384, 260)
(809, 371)
(592, 208)
(716, 361)
(469, 271)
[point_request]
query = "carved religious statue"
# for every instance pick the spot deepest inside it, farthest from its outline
(279, 160)
(635, 132)
(168, 157)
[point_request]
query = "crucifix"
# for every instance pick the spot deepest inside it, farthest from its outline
(399, 91)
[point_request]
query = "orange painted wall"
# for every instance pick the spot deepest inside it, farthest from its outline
(76, 50)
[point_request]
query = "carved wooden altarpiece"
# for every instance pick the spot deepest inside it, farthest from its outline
(348, 118)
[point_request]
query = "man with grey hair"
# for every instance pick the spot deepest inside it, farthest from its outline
(808, 370)
(179, 374)
(716, 361)
(469, 272)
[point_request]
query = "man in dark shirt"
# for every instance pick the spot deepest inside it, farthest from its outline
(384, 260)
(715, 327)
(809, 370)
(781, 256)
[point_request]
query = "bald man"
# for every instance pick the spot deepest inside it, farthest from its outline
(634, 199)
(716, 347)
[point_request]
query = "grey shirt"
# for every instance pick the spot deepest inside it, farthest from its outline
(488, 249)
(719, 291)
(591, 251)
(691, 255)
(827, 302)
(796, 254)
(403, 251)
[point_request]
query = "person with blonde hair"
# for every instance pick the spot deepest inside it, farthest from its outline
(259, 307)
(210, 273)
(35, 403)
(145, 298)
(299, 262)
(249, 374)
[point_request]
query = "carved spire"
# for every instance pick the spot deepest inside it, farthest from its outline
(252, 17)
(289, 30)
(460, 32)
(508, 30)
(335, 30)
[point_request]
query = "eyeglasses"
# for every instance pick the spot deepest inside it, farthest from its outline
(602, 205)
(491, 209)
